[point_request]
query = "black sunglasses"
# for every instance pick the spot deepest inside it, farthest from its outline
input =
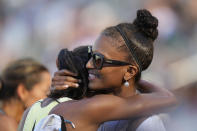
(99, 61)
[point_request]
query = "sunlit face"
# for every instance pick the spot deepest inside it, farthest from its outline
(107, 77)
(40, 90)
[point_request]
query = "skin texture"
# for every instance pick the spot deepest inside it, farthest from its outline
(39, 91)
(14, 107)
(87, 114)
(7, 123)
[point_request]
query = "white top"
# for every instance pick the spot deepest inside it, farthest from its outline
(153, 123)
(51, 122)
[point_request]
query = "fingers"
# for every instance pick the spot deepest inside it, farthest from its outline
(63, 85)
(64, 72)
(66, 78)
(64, 82)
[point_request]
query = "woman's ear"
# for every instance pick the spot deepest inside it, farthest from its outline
(131, 72)
(22, 92)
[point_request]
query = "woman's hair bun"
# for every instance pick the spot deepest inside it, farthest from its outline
(147, 23)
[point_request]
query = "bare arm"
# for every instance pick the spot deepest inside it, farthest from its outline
(153, 100)
(115, 108)
(101, 108)
(147, 87)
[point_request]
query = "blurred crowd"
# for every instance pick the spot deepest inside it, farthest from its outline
(40, 28)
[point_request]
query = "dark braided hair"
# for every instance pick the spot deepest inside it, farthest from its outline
(74, 61)
(138, 39)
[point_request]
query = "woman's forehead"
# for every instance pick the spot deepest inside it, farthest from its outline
(107, 47)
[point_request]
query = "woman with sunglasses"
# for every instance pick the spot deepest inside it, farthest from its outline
(119, 56)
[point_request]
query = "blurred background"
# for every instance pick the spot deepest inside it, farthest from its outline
(40, 28)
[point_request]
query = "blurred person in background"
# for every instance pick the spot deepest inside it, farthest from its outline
(22, 83)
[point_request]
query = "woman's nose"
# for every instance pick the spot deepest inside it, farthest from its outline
(89, 65)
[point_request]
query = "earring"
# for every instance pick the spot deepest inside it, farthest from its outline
(126, 84)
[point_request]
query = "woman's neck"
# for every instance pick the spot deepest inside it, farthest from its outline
(126, 91)
(13, 108)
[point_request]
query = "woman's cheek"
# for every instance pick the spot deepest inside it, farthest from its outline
(113, 78)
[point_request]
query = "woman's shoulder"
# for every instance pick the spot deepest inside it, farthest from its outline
(5, 118)
(7, 123)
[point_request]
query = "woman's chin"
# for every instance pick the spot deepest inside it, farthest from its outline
(95, 85)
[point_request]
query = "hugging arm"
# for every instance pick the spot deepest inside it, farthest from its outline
(146, 87)
(115, 108)
(152, 100)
